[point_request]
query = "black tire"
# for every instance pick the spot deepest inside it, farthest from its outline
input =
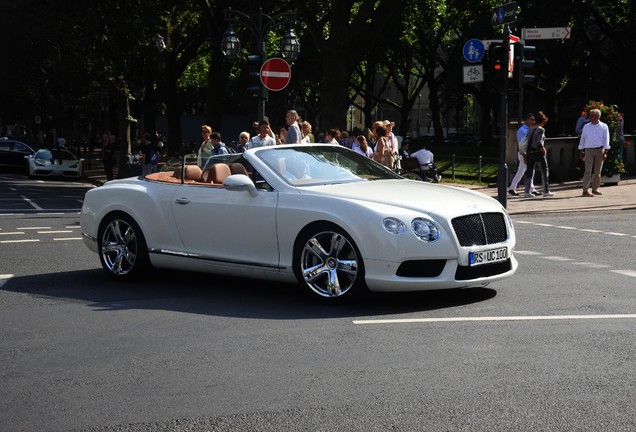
(122, 248)
(328, 265)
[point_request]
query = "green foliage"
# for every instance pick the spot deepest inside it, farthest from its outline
(612, 117)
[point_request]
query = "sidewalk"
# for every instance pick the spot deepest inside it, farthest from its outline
(567, 196)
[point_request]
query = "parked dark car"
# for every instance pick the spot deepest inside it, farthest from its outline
(12, 153)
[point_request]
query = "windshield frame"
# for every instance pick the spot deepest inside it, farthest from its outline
(323, 164)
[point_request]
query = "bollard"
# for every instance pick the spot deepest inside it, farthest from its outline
(453, 167)
(479, 170)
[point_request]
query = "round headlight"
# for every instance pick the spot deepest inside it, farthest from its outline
(394, 226)
(425, 230)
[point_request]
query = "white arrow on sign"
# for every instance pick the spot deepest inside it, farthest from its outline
(546, 33)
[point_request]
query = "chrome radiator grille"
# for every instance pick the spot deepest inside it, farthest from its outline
(480, 229)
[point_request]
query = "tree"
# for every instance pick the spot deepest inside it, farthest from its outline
(343, 31)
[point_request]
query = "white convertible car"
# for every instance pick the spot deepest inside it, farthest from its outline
(322, 215)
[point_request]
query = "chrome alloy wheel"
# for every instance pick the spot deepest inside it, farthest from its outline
(329, 264)
(119, 247)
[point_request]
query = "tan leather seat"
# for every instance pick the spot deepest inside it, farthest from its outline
(217, 173)
(192, 173)
(238, 168)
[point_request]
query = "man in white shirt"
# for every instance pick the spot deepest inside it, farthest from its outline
(263, 138)
(595, 142)
(521, 168)
(424, 157)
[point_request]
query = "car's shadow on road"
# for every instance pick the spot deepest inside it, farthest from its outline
(230, 297)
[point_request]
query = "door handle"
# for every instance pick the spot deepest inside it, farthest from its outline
(182, 201)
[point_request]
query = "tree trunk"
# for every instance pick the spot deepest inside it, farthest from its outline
(334, 93)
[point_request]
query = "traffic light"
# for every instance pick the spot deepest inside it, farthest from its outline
(254, 63)
(497, 64)
(524, 63)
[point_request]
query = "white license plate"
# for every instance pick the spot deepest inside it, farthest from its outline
(488, 256)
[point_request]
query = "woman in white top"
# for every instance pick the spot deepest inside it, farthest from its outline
(361, 146)
(205, 151)
(331, 137)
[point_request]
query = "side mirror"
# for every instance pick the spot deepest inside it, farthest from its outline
(240, 182)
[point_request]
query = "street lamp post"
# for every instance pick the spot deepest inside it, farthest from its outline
(259, 25)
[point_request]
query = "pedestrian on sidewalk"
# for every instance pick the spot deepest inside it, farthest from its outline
(521, 169)
(108, 155)
(293, 129)
(594, 144)
(151, 154)
(206, 148)
(536, 156)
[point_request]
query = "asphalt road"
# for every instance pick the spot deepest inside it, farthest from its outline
(551, 349)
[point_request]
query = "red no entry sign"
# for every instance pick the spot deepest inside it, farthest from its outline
(275, 74)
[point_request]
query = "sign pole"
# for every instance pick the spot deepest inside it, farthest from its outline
(502, 178)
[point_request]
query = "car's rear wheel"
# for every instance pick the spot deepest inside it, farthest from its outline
(329, 264)
(122, 248)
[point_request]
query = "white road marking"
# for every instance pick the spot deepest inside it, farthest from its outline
(630, 273)
(19, 241)
(12, 233)
(55, 232)
(556, 258)
(33, 228)
(73, 227)
(501, 318)
(34, 205)
(617, 234)
(519, 252)
(4, 278)
(592, 265)
(67, 238)
(575, 229)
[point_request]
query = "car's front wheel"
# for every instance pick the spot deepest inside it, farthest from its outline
(122, 248)
(329, 264)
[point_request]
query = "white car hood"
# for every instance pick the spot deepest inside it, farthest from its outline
(419, 196)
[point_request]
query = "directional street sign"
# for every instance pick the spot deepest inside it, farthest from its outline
(275, 74)
(546, 33)
(504, 14)
(473, 50)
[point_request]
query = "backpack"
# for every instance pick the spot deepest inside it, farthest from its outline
(154, 157)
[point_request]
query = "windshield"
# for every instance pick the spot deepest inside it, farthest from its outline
(55, 154)
(310, 165)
